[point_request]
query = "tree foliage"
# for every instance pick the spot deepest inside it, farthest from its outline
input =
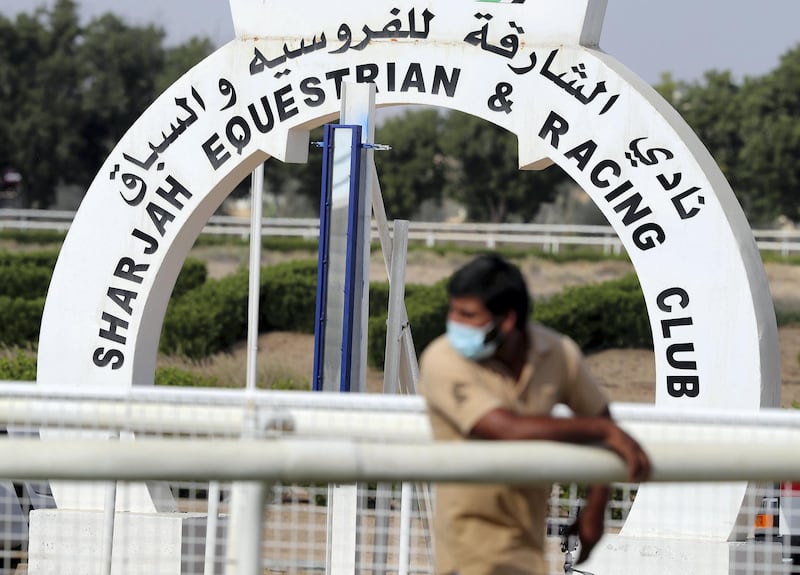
(484, 174)
(768, 162)
(434, 156)
(753, 131)
(68, 92)
(120, 65)
(413, 170)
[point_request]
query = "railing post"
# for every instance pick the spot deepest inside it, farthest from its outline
(109, 517)
(247, 508)
(212, 520)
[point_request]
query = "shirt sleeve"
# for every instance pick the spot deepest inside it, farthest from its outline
(582, 394)
(453, 388)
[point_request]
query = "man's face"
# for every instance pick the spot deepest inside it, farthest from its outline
(468, 310)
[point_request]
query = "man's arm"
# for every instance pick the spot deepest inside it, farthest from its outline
(590, 523)
(503, 424)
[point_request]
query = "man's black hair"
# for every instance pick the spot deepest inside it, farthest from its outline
(497, 283)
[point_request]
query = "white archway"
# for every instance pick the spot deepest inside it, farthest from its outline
(534, 69)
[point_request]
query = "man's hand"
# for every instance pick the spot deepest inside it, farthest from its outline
(629, 450)
(589, 529)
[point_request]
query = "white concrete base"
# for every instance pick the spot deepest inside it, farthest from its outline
(624, 555)
(66, 542)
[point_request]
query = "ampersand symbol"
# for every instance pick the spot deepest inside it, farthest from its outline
(500, 102)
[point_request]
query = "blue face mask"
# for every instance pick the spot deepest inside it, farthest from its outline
(470, 341)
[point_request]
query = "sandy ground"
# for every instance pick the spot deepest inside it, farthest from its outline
(627, 374)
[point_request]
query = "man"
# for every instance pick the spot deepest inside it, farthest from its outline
(494, 375)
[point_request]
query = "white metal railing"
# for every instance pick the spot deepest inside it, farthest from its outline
(317, 438)
(361, 436)
(350, 461)
(549, 236)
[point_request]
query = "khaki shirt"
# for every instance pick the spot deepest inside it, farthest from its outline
(498, 529)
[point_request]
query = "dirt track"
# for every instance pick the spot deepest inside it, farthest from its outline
(628, 375)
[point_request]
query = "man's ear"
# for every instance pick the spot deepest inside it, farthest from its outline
(509, 322)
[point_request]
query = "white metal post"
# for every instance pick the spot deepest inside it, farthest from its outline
(409, 370)
(397, 317)
(109, 516)
(248, 497)
(404, 552)
(247, 529)
(256, 206)
(391, 376)
(212, 520)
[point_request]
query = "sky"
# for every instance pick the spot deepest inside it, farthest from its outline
(684, 37)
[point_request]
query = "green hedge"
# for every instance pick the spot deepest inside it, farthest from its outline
(193, 274)
(288, 297)
(606, 315)
(176, 377)
(20, 367)
(213, 317)
(43, 258)
(598, 316)
(37, 237)
(207, 319)
(21, 321)
(26, 281)
(427, 313)
(27, 275)
(209, 316)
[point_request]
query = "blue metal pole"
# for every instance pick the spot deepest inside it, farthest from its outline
(322, 264)
(353, 232)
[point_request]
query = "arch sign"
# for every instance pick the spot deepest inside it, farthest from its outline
(532, 67)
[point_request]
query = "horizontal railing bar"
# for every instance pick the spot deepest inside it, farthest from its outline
(20, 401)
(335, 460)
(216, 396)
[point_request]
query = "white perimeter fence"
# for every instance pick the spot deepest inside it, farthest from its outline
(550, 237)
(312, 450)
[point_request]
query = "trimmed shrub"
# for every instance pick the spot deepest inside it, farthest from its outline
(597, 316)
(379, 296)
(27, 275)
(208, 316)
(288, 297)
(33, 236)
(21, 320)
(427, 313)
(21, 367)
(176, 377)
(45, 258)
(193, 274)
(213, 316)
(600, 316)
(25, 280)
(206, 319)
(787, 316)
